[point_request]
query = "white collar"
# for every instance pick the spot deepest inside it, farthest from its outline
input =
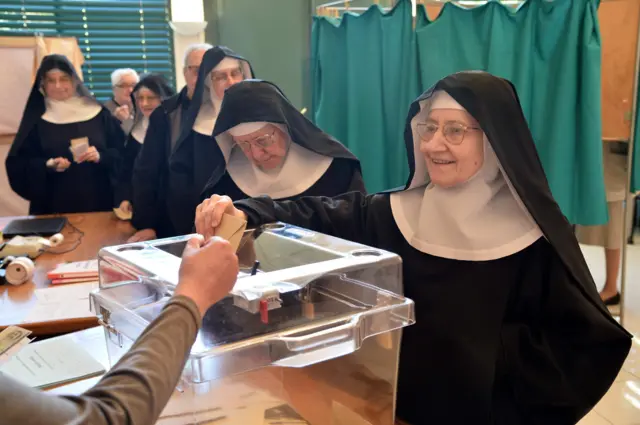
(480, 220)
(139, 130)
(75, 109)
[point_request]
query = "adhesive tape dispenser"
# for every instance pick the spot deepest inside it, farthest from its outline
(17, 270)
(30, 246)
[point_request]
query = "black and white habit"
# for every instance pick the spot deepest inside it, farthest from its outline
(161, 88)
(46, 131)
(195, 151)
(316, 164)
(510, 328)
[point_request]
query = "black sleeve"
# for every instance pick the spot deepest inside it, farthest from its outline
(147, 172)
(357, 182)
(124, 191)
(347, 216)
(27, 168)
(111, 157)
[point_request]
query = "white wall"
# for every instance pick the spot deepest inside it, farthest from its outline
(185, 11)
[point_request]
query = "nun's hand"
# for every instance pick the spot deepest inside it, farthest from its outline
(91, 155)
(59, 164)
(209, 214)
(122, 113)
(143, 235)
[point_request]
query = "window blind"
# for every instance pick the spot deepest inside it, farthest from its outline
(111, 34)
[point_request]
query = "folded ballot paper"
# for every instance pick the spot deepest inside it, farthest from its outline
(232, 229)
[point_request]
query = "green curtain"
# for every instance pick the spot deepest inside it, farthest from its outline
(364, 79)
(551, 52)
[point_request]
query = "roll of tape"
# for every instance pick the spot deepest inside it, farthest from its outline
(56, 239)
(20, 271)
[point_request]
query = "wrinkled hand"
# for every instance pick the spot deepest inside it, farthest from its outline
(91, 155)
(209, 214)
(59, 164)
(208, 271)
(142, 236)
(122, 112)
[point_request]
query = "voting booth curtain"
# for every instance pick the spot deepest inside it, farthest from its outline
(367, 69)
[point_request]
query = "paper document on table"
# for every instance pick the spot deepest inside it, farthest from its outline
(51, 362)
(61, 302)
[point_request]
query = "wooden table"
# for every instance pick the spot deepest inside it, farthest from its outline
(89, 232)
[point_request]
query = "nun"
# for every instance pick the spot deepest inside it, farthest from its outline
(269, 148)
(66, 155)
(195, 151)
(147, 95)
(509, 325)
(151, 168)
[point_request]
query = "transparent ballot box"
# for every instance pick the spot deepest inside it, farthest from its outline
(310, 333)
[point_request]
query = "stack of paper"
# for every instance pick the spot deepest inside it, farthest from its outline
(51, 362)
(79, 271)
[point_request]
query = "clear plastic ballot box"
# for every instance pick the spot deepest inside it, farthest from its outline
(310, 333)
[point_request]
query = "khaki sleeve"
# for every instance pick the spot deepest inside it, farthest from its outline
(133, 392)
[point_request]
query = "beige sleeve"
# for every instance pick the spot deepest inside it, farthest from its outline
(133, 392)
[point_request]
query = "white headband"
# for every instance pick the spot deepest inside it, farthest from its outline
(227, 63)
(443, 100)
(246, 128)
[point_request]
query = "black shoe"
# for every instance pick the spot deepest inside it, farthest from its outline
(615, 300)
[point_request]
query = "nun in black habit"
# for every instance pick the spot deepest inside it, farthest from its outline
(190, 164)
(509, 325)
(267, 147)
(147, 95)
(60, 114)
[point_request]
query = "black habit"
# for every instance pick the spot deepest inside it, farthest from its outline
(83, 187)
(150, 178)
(161, 88)
(191, 161)
(523, 339)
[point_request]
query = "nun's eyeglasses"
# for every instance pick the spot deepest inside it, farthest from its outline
(453, 132)
(262, 142)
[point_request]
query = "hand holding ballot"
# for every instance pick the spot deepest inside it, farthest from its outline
(208, 271)
(210, 212)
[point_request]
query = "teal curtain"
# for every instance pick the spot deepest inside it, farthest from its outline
(364, 79)
(551, 52)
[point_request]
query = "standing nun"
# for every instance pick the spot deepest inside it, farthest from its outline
(195, 151)
(151, 169)
(269, 148)
(61, 114)
(147, 95)
(509, 325)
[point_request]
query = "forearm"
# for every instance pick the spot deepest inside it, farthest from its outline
(135, 390)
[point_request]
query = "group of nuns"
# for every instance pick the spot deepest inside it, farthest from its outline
(510, 328)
